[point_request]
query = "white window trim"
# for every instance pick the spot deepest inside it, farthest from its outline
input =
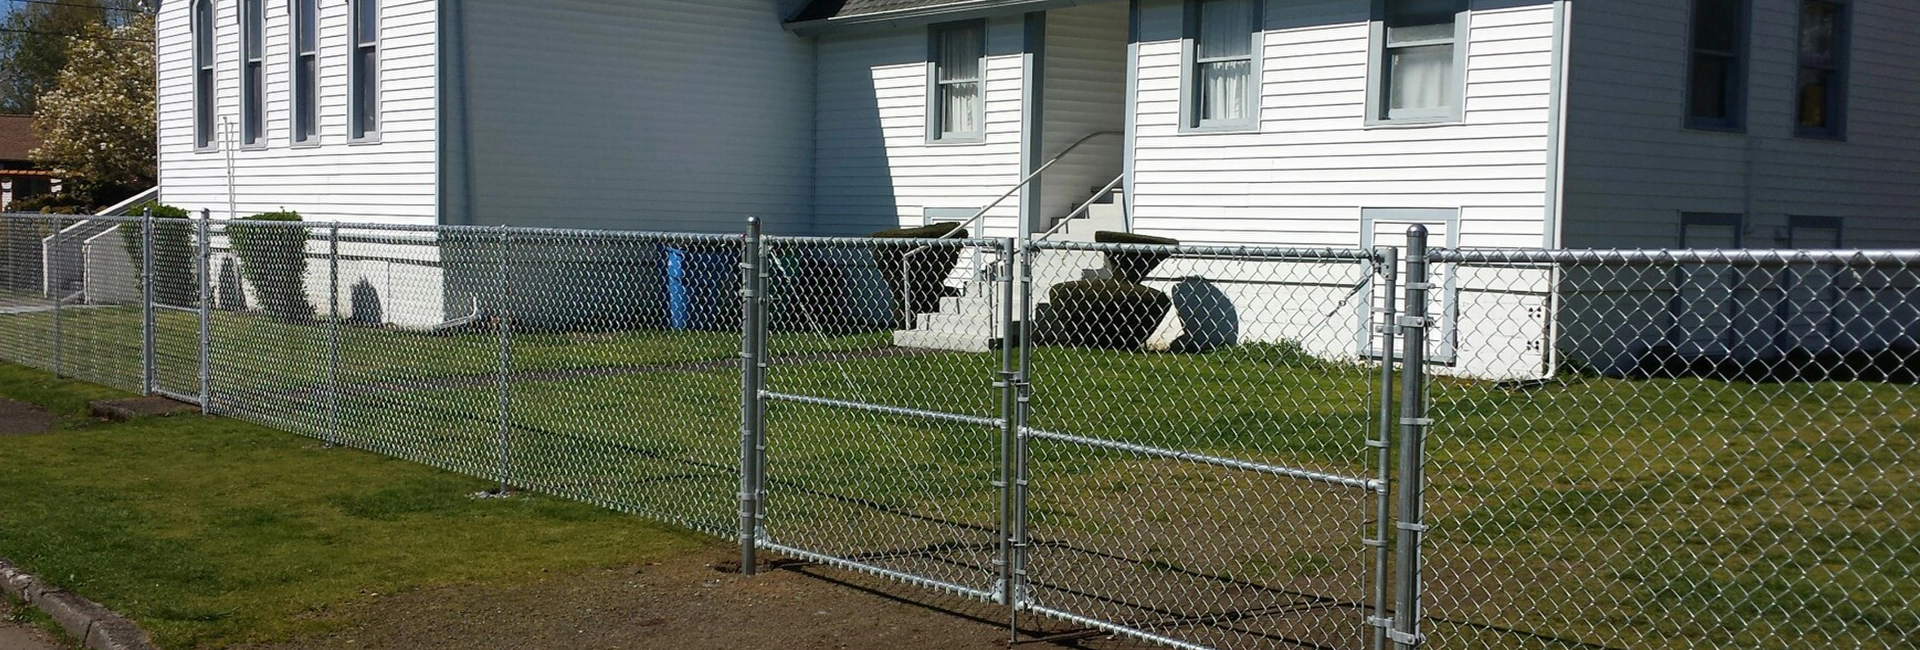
(1377, 111)
(357, 133)
(935, 107)
(204, 139)
(1190, 121)
(301, 140)
(248, 84)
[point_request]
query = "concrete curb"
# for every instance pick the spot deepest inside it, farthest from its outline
(97, 627)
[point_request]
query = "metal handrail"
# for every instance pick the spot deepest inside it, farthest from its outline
(906, 261)
(1083, 208)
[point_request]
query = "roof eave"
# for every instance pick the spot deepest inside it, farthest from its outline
(881, 20)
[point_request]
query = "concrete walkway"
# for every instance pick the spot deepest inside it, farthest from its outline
(14, 636)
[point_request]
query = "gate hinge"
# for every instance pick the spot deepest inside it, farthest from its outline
(1376, 543)
(1421, 286)
(1414, 321)
(1406, 638)
(1378, 621)
(1411, 527)
(1418, 422)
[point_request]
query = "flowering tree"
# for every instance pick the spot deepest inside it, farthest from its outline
(97, 124)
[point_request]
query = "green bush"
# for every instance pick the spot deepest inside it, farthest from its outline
(1133, 266)
(928, 277)
(173, 249)
(273, 259)
(1102, 314)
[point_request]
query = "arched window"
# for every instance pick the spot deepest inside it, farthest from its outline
(253, 74)
(306, 72)
(202, 74)
(363, 119)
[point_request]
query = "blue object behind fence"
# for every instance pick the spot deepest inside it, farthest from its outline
(695, 282)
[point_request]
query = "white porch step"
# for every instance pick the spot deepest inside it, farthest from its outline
(970, 322)
(940, 340)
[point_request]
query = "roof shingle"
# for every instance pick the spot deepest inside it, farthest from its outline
(16, 137)
(823, 9)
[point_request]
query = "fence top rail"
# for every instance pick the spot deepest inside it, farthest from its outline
(67, 218)
(1650, 257)
(364, 229)
(1184, 250)
(887, 242)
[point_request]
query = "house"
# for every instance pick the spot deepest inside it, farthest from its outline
(1338, 123)
(19, 176)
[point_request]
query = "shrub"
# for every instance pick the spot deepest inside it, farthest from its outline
(273, 259)
(928, 277)
(1102, 314)
(173, 263)
(1133, 266)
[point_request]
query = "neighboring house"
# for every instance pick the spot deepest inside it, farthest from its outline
(1497, 123)
(19, 177)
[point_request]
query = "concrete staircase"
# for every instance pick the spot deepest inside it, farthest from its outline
(971, 321)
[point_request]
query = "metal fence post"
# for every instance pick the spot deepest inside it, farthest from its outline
(333, 335)
(1022, 405)
(503, 324)
(205, 254)
(1009, 433)
(1388, 272)
(1414, 326)
(750, 408)
(51, 270)
(149, 358)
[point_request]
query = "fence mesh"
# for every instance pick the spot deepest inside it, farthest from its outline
(1184, 445)
(1719, 452)
(1199, 468)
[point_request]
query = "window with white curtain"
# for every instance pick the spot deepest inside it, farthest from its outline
(1417, 75)
(1221, 73)
(956, 108)
(253, 74)
(306, 72)
(1717, 71)
(1821, 103)
(363, 116)
(203, 74)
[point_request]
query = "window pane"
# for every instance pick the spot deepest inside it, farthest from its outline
(1226, 29)
(1223, 90)
(1419, 77)
(1815, 94)
(1709, 97)
(367, 22)
(1409, 13)
(369, 100)
(203, 32)
(254, 120)
(960, 52)
(304, 14)
(253, 30)
(1716, 25)
(1419, 34)
(1819, 24)
(304, 98)
(203, 107)
(960, 108)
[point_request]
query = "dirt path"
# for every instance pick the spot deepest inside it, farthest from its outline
(684, 603)
(18, 636)
(20, 418)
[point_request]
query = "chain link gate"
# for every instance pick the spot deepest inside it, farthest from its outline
(866, 450)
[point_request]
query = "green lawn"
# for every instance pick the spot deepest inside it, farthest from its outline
(211, 531)
(1628, 514)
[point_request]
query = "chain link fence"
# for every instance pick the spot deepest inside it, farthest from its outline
(1201, 447)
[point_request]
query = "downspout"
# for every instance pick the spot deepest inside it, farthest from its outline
(1131, 140)
(1032, 113)
(1557, 104)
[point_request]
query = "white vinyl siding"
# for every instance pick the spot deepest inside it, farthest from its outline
(875, 169)
(1304, 178)
(640, 114)
(1632, 168)
(392, 182)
